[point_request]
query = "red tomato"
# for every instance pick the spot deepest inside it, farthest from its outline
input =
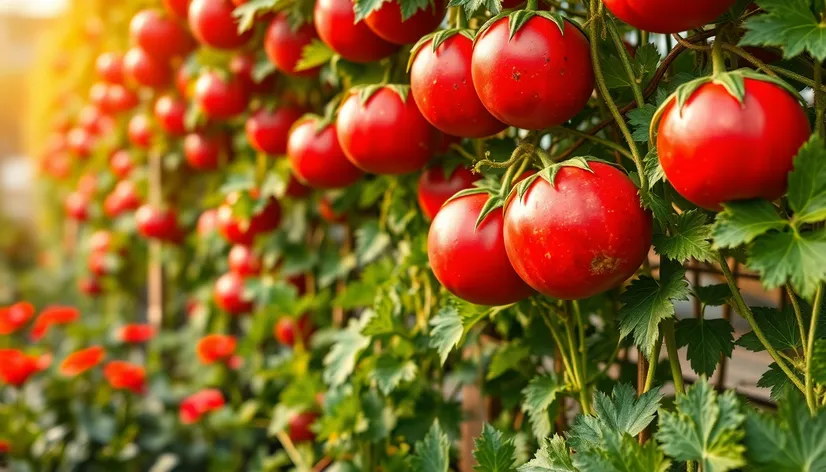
(157, 223)
(299, 427)
(146, 70)
(444, 76)
(471, 262)
(243, 261)
(435, 189)
(177, 8)
(668, 16)
(206, 151)
(97, 96)
(220, 98)
(284, 45)
(121, 164)
(716, 150)
(93, 120)
(336, 25)
(387, 22)
(77, 206)
(316, 157)
(123, 198)
(90, 286)
(170, 113)
(97, 264)
(229, 294)
(267, 131)
(242, 66)
(160, 36)
(183, 81)
(207, 223)
(287, 329)
(109, 66)
(80, 142)
(537, 79)
(101, 241)
(120, 99)
(87, 184)
(296, 189)
(586, 234)
(386, 134)
(214, 26)
(328, 213)
(236, 231)
(139, 131)
(508, 4)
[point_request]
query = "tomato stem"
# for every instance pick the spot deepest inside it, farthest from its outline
(718, 62)
(819, 102)
(673, 358)
(626, 63)
(532, 5)
(461, 18)
(652, 365)
(810, 386)
(798, 315)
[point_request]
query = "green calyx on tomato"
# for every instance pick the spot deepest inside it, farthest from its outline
(438, 38)
(549, 173)
(365, 92)
(519, 18)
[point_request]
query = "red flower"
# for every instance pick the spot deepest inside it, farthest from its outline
(53, 315)
(16, 367)
(5, 446)
(215, 347)
(14, 317)
(126, 376)
(136, 333)
(80, 361)
(198, 404)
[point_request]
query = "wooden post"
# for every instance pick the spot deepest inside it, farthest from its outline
(155, 295)
(474, 409)
(723, 369)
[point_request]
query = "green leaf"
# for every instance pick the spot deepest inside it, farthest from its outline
(807, 183)
(493, 453)
(707, 341)
(742, 221)
(779, 327)
(371, 242)
(447, 330)
(793, 441)
(713, 295)
(623, 412)
(776, 380)
(640, 120)
(363, 8)
(246, 13)
(553, 456)
(391, 371)
(539, 395)
(705, 428)
(410, 7)
(647, 301)
(470, 6)
(622, 453)
(791, 257)
(313, 55)
(788, 24)
(689, 238)
(433, 453)
(507, 357)
(341, 360)
(644, 64)
(819, 361)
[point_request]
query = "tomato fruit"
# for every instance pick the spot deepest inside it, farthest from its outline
(299, 427)
(109, 67)
(435, 188)
(336, 25)
(93, 120)
(267, 130)
(220, 98)
(668, 16)
(101, 241)
(229, 294)
(539, 78)
(146, 70)
(296, 189)
(80, 142)
(236, 231)
(159, 35)
(580, 237)
(243, 261)
(471, 262)
(121, 164)
(206, 151)
(158, 223)
(288, 329)
(97, 95)
(139, 131)
(120, 99)
(177, 8)
(89, 286)
(316, 157)
(284, 45)
(387, 22)
(77, 206)
(717, 150)
(207, 223)
(213, 25)
(170, 113)
(123, 198)
(242, 66)
(444, 76)
(97, 264)
(387, 134)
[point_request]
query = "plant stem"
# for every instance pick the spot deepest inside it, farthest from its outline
(745, 312)
(609, 144)
(291, 451)
(718, 61)
(583, 346)
(559, 345)
(626, 63)
(569, 334)
(810, 386)
(593, 36)
(819, 102)
(673, 359)
(799, 316)
(532, 5)
(652, 366)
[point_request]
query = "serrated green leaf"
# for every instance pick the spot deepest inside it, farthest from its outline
(340, 362)
(363, 8)
(807, 183)
(446, 330)
(553, 456)
(433, 453)
(689, 238)
(314, 55)
(779, 327)
(742, 221)
(643, 64)
(470, 6)
(245, 14)
(507, 357)
(707, 341)
(647, 301)
(622, 453)
(789, 25)
(391, 371)
(713, 295)
(493, 452)
(379, 322)
(640, 121)
(705, 428)
(776, 380)
(790, 257)
(539, 395)
(371, 242)
(410, 7)
(819, 361)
